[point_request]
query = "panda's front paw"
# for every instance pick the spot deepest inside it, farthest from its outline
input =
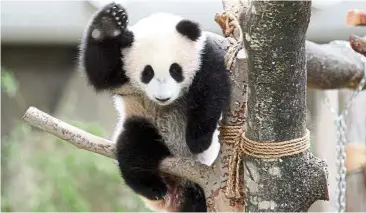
(209, 156)
(110, 22)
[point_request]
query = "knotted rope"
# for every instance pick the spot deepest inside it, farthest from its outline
(235, 44)
(228, 23)
(234, 135)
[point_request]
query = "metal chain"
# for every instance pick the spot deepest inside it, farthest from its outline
(339, 119)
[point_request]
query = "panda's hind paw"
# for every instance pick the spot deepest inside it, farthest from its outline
(150, 186)
(109, 22)
(155, 193)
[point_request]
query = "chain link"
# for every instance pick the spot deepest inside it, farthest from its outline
(339, 120)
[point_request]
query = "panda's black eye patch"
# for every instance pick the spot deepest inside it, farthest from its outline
(176, 72)
(147, 74)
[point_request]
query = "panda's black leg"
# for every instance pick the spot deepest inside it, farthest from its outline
(100, 51)
(139, 151)
(194, 199)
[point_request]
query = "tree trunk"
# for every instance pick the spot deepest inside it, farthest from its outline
(274, 37)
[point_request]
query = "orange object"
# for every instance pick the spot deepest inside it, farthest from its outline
(356, 18)
(356, 157)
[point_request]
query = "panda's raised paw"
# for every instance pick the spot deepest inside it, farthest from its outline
(118, 14)
(110, 22)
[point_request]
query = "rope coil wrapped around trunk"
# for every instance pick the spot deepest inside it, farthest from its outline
(242, 145)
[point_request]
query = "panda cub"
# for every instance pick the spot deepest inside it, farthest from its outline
(170, 85)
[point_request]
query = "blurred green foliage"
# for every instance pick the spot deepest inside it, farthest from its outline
(43, 173)
(8, 83)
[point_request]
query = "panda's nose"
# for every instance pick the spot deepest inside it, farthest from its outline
(162, 99)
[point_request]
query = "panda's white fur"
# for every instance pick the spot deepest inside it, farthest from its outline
(172, 47)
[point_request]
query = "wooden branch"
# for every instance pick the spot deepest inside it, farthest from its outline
(329, 66)
(186, 168)
(333, 66)
(275, 43)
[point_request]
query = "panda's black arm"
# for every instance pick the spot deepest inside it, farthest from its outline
(100, 52)
(207, 98)
(102, 64)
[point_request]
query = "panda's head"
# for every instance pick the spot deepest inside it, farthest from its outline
(164, 56)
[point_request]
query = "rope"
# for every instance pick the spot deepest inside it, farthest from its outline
(236, 44)
(267, 150)
(232, 135)
(235, 136)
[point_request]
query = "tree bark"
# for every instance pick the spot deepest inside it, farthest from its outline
(275, 43)
(333, 66)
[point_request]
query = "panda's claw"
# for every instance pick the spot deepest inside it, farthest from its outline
(165, 196)
(111, 19)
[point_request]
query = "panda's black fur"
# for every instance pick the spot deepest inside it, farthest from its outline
(149, 132)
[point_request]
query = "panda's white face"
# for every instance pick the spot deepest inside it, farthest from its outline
(162, 87)
(161, 61)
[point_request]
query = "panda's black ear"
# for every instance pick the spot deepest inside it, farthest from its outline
(190, 29)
